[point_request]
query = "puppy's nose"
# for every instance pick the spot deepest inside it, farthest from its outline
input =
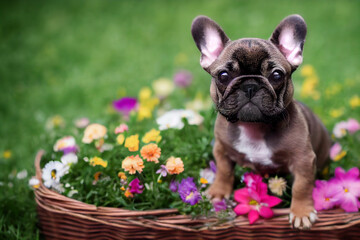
(249, 89)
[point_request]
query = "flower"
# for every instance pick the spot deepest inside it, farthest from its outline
(183, 78)
(308, 88)
(121, 128)
(122, 175)
(336, 152)
(96, 177)
(120, 139)
(208, 175)
(173, 119)
(94, 131)
(66, 144)
(125, 105)
(51, 174)
(135, 186)
(255, 203)
(212, 166)
(7, 154)
(350, 184)
(128, 193)
(173, 186)
(147, 104)
(352, 126)
(152, 136)
(203, 181)
(55, 122)
(98, 161)
(132, 164)
(132, 143)
(69, 159)
(21, 175)
(163, 87)
(307, 71)
(324, 194)
(277, 185)
(81, 122)
(162, 171)
(188, 191)
(34, 182)
(335, 113)
(151, 152)
(354, 101)
(174, 165)
(219, 205)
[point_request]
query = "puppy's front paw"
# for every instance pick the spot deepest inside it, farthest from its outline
(219, 191)
(302, 218)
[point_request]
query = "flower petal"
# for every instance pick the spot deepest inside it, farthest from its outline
(266, 212)
(340, 173)
(253, 216)
(242, 195)
(242, 209)
(350, 204)
(271, 201)
(353, 173)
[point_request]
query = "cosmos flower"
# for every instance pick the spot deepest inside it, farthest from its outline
(324, 194)
(125, 105)
(188, 191)
(132, 164)
(93, 132)
(336, 152)
(174, 165)
(151, 152)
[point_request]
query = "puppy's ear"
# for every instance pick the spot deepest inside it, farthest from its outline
(289, 37)
(209, 38)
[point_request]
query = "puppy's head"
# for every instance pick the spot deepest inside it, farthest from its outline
(251, 78)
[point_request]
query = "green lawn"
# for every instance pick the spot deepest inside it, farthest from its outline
(72, 58)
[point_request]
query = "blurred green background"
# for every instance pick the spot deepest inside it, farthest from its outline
(72, 58)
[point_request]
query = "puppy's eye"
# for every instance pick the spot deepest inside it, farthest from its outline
(223, 76)
(276, 76)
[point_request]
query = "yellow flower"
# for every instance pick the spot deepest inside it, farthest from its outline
(94, 132)
(122, 188)
(174, 165)
(308, 88)
(354, 101)
(277, 185)
(335, 113)
(144, 112)
(132, 143)
(144, 94)
(307, 71)
(98, 161)
(55, 122)
(132, 164)
(120, 139)
(147, 103)
(7, 154)
(152, 136)
(128, 193)
(340, 155)
(122, 175)
(163, 87)
(203, 181)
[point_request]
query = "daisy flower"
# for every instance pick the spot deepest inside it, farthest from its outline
(34, 182)
(51, 174)
(69, 159)
(151, 152)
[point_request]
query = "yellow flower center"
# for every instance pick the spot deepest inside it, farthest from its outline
(53, 174)
(189, 196)
(346, 190)
(203, 181)
(253, 202)
(327, 199)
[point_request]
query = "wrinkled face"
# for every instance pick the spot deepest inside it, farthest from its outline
(252, 80)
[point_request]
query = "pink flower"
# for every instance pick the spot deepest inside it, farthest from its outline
(125, 105)
(336, 152)
(122, 128)
(135, 186)
(183, 78)
(254, 183)
(350, 184)
(351, 126)
(324, 194)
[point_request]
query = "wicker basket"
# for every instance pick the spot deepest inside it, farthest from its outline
(65, 218)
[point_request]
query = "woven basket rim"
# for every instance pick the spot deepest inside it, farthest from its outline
(171, 219)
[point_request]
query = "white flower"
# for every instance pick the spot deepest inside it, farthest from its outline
(21, 175)
(173, 119)
(340, 129)
(52, 172)
(69, 159)
(208, 174)
(72, 192)
(34, 182)
(59, 187)
(277, 185)
(64, 143)
(163, 87)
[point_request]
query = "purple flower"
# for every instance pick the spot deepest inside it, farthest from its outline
(350, 184)
(188, 191)
(71, 149)
(213, 166)
(125, 105)
(324, 194)
(135, 186)
(219, 205)
(162, 171)
(173, 185)
(183, 78)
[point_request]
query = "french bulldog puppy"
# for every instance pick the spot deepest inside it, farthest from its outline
(259, 124)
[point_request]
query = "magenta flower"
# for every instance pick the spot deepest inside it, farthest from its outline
(254, 183)
(219, 205)
(350, 183)
(125, 105)
(173, 185)
(325, 194)
(135, 186)
(188, 191)
(353, 125)
(335, 150)
(183, 78)
(254, 203)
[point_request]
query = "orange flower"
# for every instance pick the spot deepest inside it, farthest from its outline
(174, 165)
(151, 152)
(122, 175)
(128, 193)
(97, 176)
(133, 164)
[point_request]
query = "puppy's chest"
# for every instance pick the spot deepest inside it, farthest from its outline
(255, 149)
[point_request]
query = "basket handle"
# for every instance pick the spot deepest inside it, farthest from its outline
(38, 157)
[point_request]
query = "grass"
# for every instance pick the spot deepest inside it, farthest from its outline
(73, 58)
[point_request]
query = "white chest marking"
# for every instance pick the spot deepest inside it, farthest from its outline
(255, 150)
